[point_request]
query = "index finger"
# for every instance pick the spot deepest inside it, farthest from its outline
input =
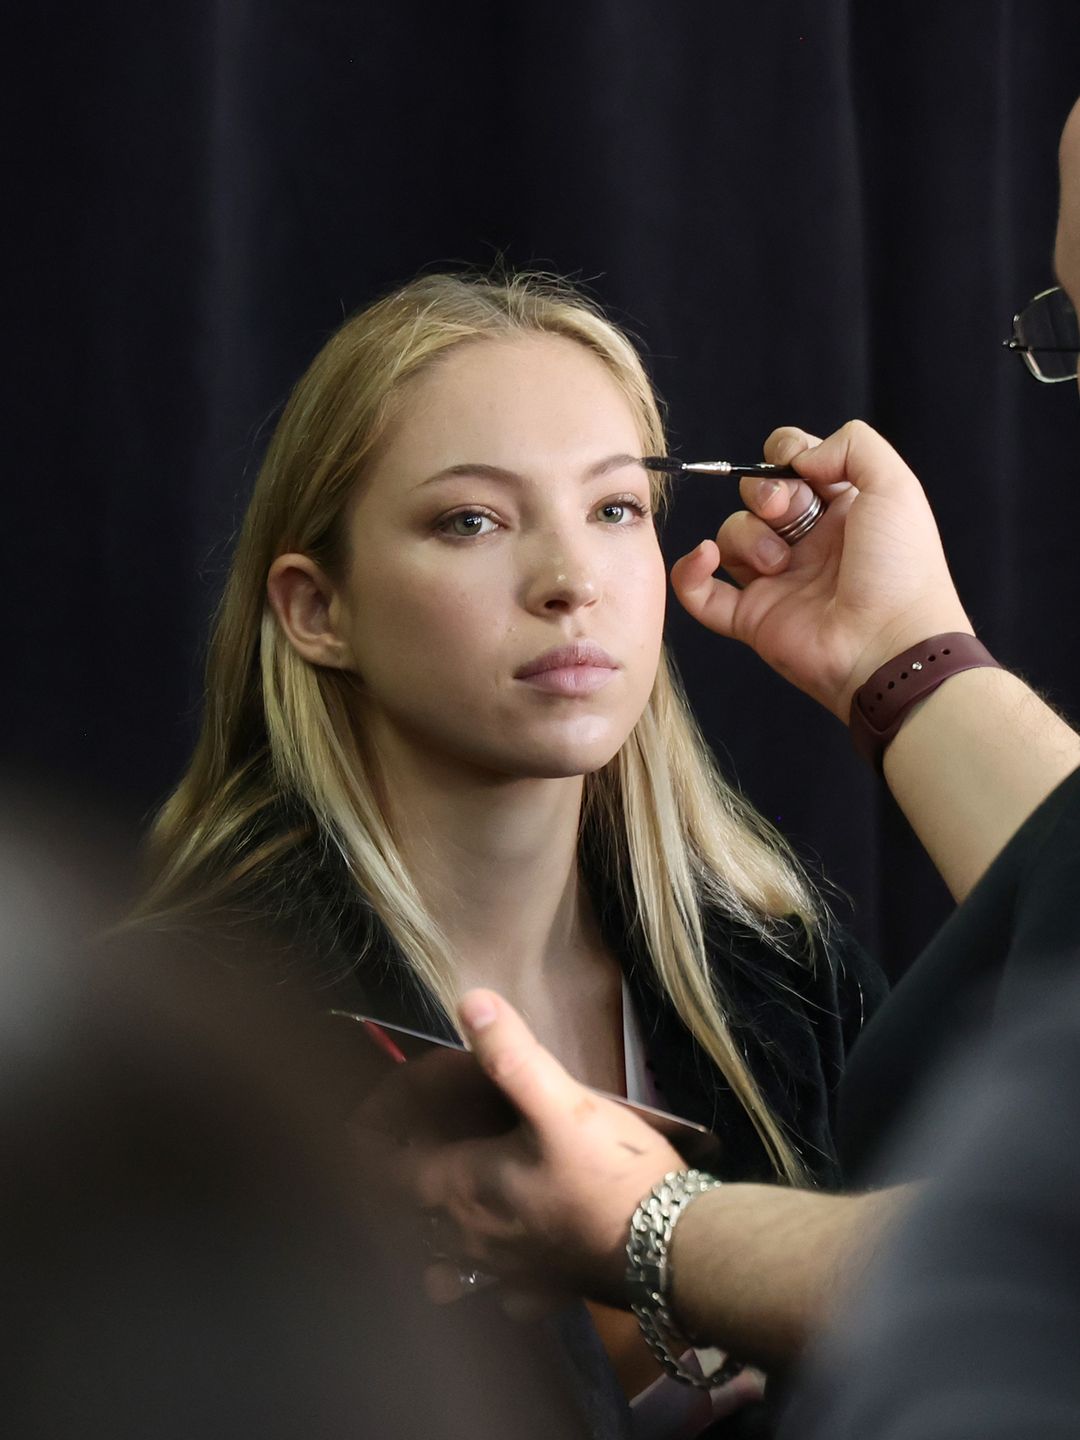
(858, 456)
(787, 441)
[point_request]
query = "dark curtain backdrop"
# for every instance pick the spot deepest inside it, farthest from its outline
(806, 210)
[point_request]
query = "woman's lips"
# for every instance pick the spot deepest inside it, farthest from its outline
(571, 679)
(580, 668)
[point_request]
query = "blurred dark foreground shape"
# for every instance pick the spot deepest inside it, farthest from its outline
(189, 1245)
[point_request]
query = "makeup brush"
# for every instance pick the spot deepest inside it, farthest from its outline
(716, 467)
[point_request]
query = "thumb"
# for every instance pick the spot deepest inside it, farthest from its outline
(528, 1075)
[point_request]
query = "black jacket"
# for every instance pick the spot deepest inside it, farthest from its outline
(794, 1016)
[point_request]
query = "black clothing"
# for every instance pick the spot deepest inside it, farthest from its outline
(794, 1016)
(1013, 939)
(795, 1023)
(966, 1326)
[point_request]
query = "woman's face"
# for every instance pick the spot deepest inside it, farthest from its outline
(504, 597)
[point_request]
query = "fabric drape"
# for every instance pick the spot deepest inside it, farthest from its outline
(806, 210)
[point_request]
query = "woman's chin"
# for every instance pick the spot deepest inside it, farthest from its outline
(561, 763)
(580, 748)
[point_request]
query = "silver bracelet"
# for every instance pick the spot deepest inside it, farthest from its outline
(648, 1276)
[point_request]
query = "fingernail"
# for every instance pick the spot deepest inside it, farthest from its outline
(770, 551)
(477, 1012)
(766, 489)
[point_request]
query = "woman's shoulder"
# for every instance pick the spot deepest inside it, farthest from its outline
(820, 972)
(283, 901)
(333, 940)
(795, 1003)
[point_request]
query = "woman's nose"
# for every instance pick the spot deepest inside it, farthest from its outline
(561, 580)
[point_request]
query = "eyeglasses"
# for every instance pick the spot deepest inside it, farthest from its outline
(1047, 335)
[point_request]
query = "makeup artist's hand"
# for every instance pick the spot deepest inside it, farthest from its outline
(545, 1205)
(869, 579)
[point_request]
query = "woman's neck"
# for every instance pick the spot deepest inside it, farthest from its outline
(496, 862)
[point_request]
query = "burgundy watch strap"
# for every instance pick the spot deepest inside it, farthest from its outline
(880, 706)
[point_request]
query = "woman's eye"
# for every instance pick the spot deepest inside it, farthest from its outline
(622, 511)
(467, 523)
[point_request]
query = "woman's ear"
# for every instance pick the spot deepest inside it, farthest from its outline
(304, 602)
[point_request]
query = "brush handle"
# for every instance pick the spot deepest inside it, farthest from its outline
(716, 467)
(724, 467)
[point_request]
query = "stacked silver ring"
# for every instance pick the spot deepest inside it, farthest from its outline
(796, 530)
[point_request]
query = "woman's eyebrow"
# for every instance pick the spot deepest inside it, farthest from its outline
(478, 469)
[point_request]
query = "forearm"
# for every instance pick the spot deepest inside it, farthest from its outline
(971, 764)
(758, 1268)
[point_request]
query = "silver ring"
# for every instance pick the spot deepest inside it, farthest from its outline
(797, 529)
(470, 1279)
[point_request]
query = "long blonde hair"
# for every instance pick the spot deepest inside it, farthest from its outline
(676, 838)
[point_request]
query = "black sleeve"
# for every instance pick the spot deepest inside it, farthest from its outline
(965, 1326)
(1014, 939)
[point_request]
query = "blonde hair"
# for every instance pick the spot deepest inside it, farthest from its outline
(676, 839)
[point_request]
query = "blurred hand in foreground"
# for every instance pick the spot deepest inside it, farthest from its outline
(545, 1205)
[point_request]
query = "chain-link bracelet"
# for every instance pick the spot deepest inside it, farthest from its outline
(648, 1276)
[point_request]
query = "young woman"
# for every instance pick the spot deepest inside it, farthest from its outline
(443, 745)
